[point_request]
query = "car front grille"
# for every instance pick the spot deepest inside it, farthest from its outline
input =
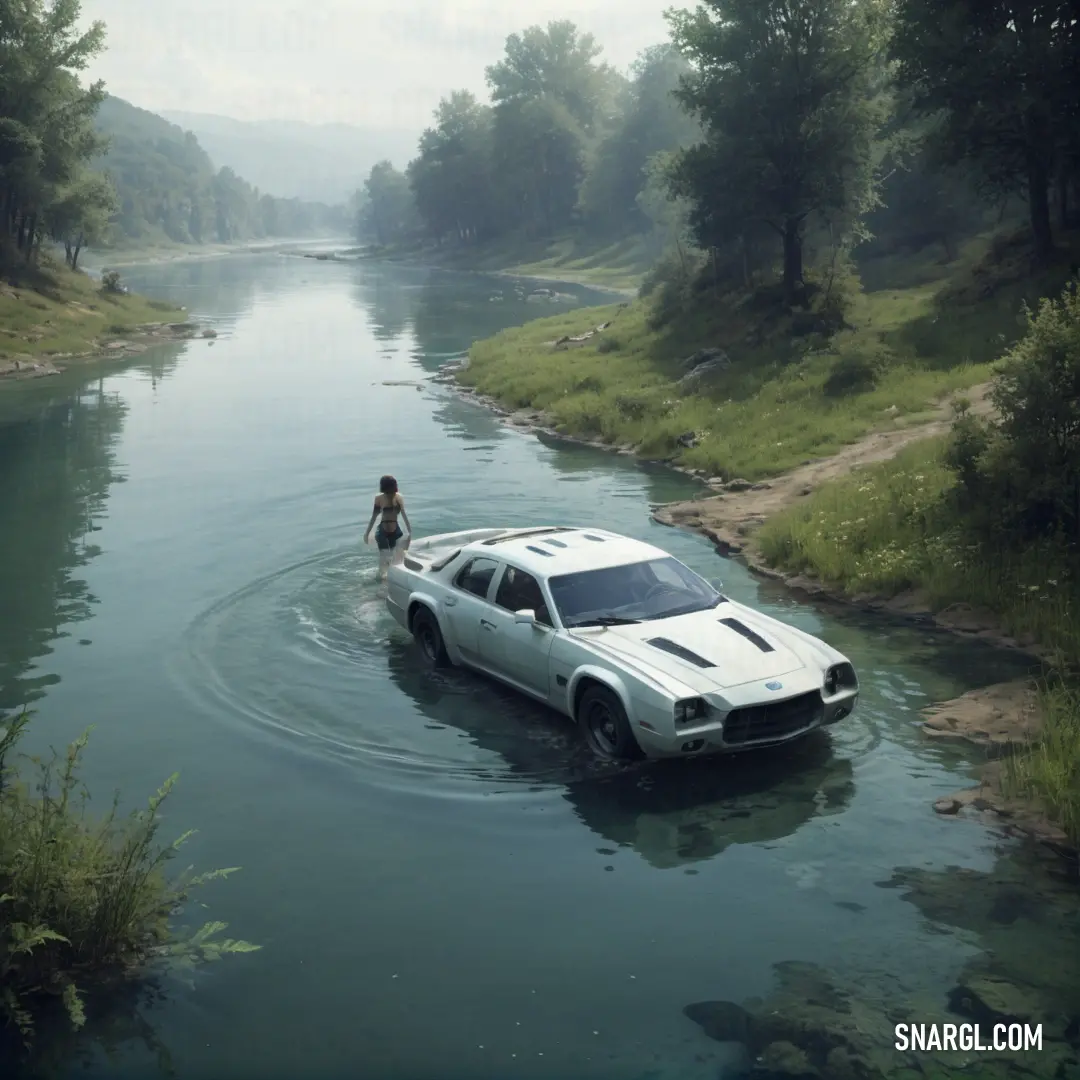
(764, 723)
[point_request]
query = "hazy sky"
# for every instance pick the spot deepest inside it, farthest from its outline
(382, 64)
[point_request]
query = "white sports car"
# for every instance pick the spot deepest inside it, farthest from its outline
(642, 653)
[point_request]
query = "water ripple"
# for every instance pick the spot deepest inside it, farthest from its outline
(309, 654)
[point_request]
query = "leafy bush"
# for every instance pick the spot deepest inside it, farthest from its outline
(853, 373)
(670, 286)
(82, 901)
(1022, 472)
(110, 282)
(608, 345)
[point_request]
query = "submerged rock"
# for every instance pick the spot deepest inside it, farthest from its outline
(815, 1026)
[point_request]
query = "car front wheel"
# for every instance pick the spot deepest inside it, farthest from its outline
(426, 632)
(604, 724)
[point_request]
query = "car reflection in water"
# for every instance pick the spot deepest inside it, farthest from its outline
(672, 813)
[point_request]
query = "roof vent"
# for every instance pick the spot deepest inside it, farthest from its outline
(540, 551)
(750, 635)
(597, 539)
(554, 543)
(677, 650)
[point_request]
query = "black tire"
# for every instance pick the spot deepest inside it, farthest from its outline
(426, 632)
(603, 722)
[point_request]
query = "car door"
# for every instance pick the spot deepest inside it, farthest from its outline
(518, 652)
(466, 604)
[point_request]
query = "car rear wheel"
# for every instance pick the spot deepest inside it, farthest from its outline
(604, 724)
(426, 632)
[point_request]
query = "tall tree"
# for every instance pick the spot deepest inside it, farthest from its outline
(390, 214)
(451, 178)
(46, 117)
(552, 98)
(649, 121)
(557, 62)
(790, 94)
(1001, 72)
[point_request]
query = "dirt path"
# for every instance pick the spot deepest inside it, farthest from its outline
(995, 719)
(732, 517)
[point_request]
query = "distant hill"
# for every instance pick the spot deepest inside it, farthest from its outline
(170, 189)
(323, 162)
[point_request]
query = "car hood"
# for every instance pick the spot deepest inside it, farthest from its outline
(708, 650)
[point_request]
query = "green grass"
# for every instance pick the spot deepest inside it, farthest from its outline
(775, 407)
(889, 529)
(620, 265)
(48, 310)
(84, 901)
(1048, 773)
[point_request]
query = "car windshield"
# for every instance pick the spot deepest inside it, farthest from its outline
(637, 592)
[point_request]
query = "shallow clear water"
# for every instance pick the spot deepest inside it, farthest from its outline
(442, 882)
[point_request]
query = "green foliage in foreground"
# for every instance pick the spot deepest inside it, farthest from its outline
(987, 516)
(82, 901)
(789, 394)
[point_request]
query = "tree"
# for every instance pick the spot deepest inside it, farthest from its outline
(390, 214)
(80, 215)
(451, 178)
(555, 62)
(46, 117)
(1022, 470)
(1001, 73)
(539, 158)
(552, 100)
(649, 121)
(790, 93)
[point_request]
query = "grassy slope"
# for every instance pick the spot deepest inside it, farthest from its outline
(931, 333)
(50, 311)
(620, 265)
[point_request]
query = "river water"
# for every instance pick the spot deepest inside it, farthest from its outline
(442, 884)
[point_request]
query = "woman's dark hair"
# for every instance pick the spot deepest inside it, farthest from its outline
(388, 485)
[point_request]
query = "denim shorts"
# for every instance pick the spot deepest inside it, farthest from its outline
(386, 541)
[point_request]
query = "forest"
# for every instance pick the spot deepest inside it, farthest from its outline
(762, 136)
(80, 168)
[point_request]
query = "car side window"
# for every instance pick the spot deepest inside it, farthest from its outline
(519, 591)
(475, 576)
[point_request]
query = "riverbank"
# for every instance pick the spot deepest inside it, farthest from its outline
(52, 317)
(154, 254)
(618, 267)
(714, 394)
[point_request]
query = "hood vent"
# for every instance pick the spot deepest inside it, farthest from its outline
(750, 635)
(677, 650)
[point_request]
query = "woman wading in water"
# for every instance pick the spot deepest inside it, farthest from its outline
(390, 505)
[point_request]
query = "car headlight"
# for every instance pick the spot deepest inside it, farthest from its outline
(689, 710)
(840, 677)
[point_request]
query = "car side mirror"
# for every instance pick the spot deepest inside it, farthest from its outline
(526, 616)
